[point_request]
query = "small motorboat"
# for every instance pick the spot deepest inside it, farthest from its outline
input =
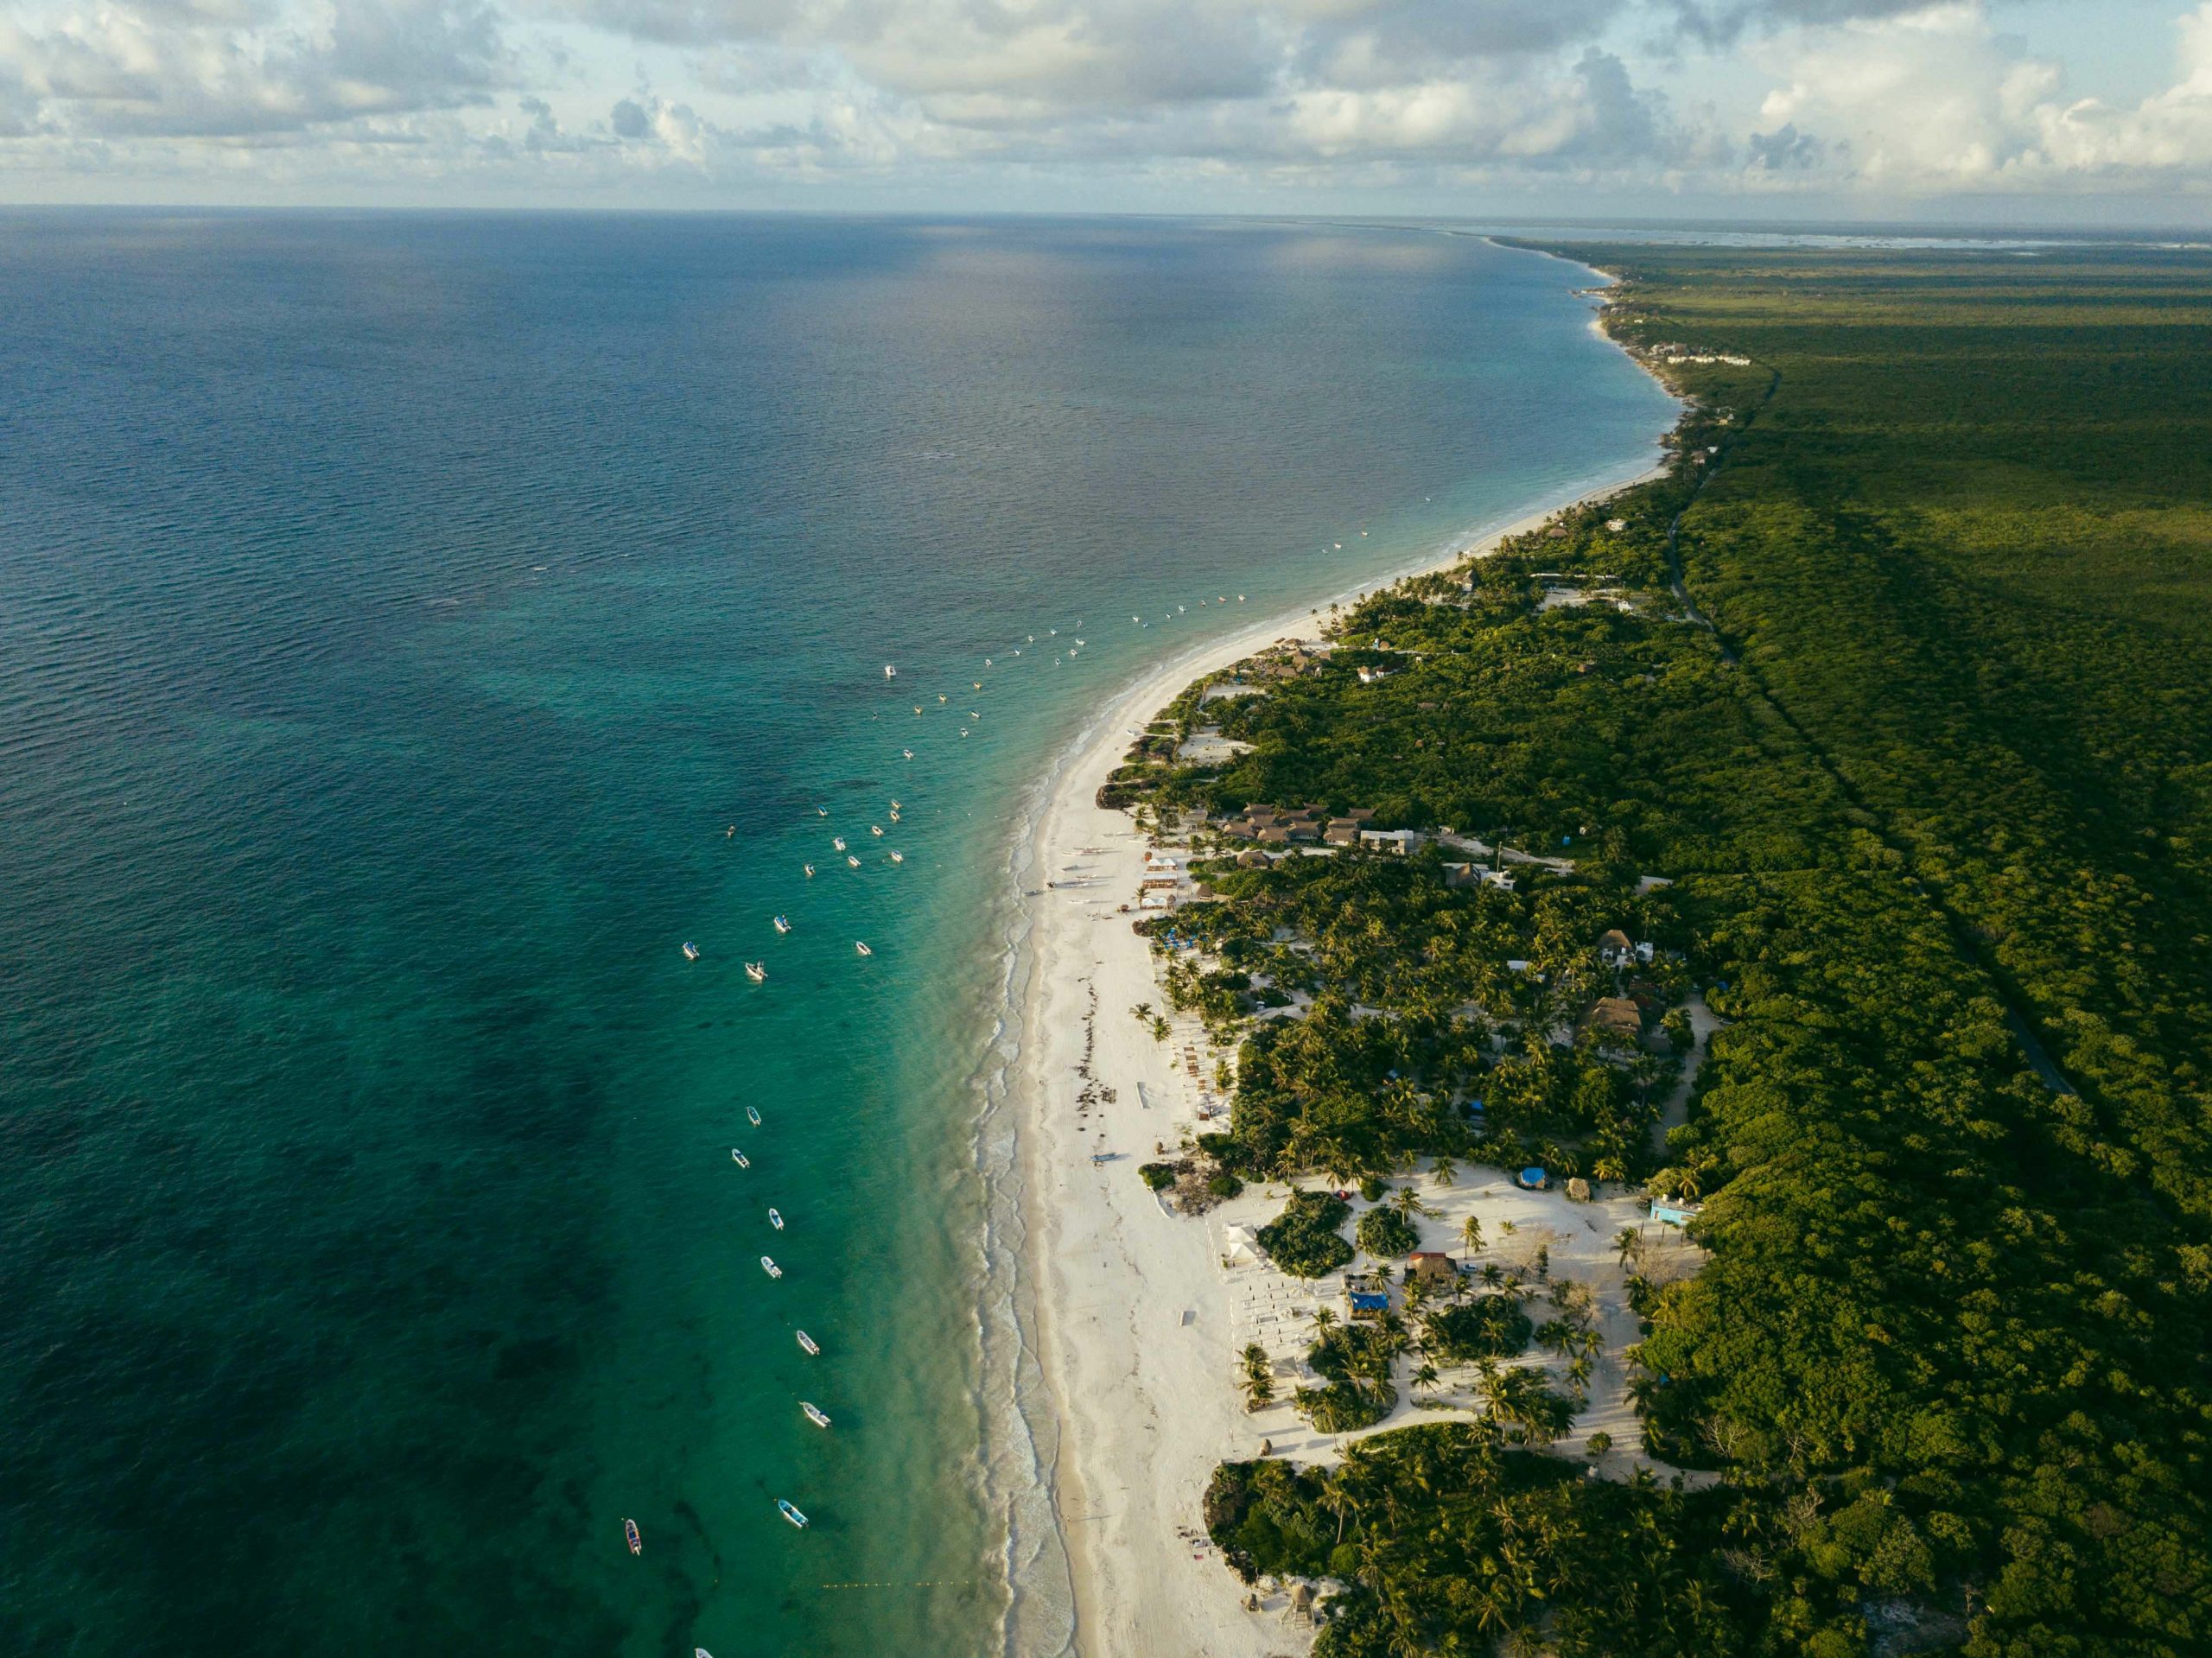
(908, 753)
(875, 828)
(898, 857)
(756, 971)
(837, 840)
(890, 672)
(894, 814)
(941, 696)
(691, 952)
(851, 859)
(775, 1220)
(791, 1513)
(976, 684)
(630, 1532)
(769, 1267)
(783, 924)
(815, 1414)
(861, 948)
(894, 805)
(740, 1158)
(809, 1346)
(964, 731)
(810, 871)
(753, 1113)
(822, 811)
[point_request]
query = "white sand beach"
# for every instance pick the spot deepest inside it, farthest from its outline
(1138, 1321)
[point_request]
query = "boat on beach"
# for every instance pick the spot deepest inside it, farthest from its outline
(809, 1345)
(756, 971)
(775, 1220)
(769, 1267)
(691, 952)
(815, 1414)
(740, 1158)
(630, 1533)
(791, 1513)
(754, 1113)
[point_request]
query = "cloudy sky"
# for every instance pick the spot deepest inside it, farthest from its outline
(2096, 111)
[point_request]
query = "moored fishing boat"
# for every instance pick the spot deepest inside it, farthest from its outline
(630, 1535)
(851, 859)
(691, 952)
(791, 1513)
(753, 1115)
(898, 857)
(756, 971)
(775, 1220)
(769, 1267)
(808, 1345)
(837, 840)
(740, 1158)
(783, 924)
(815, 1414)
(810, 872)
(863, 949)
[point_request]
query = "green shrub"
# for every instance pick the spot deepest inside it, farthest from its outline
(1490, 1327)
(1384, 1233)
(1346, 1406)
(1372, 1188)
(1223, 1184)
(1158, 1175)
(1303, 1240)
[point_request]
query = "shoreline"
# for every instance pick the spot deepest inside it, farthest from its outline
(1118, 1349)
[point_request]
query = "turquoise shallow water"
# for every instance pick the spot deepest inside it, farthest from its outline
(411, 630)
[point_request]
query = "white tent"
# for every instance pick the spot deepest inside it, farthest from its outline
(1238, 1246)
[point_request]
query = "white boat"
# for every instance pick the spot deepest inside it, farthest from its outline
(630, 1535)
(837, 840)
(782, 925)
(770, 1268)
(875, 828)
(809, 1345)
(775, 1220)
(815, 1414)
(756, 971)
(851, 859)
(753, 1115)
(898, 857)
(894, 805)
(810, 871)
(964, 731)
(908, 753)
(691, 952)
(822, 811)
(861, 948)
(890, 672)
(740, 1158)
(940, 696)
(791, 1513)
(894, 818)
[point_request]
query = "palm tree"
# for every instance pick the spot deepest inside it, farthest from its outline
(1626, 1242)
(1444, 1173)
(1407, 1203)
(1471, 1234)
(1425, 1378)
(1325, 1320)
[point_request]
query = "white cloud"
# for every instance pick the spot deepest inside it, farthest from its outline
(1939, 100)
(713, 99)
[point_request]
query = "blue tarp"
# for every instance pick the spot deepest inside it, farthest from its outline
(1534, 1177)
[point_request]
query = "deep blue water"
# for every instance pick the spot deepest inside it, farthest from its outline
(412, 629)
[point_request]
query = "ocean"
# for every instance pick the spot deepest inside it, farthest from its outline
(414, 629)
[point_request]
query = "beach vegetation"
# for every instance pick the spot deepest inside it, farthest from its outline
(1305, 1240)
(1384, 1233)
(1487, 1327)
